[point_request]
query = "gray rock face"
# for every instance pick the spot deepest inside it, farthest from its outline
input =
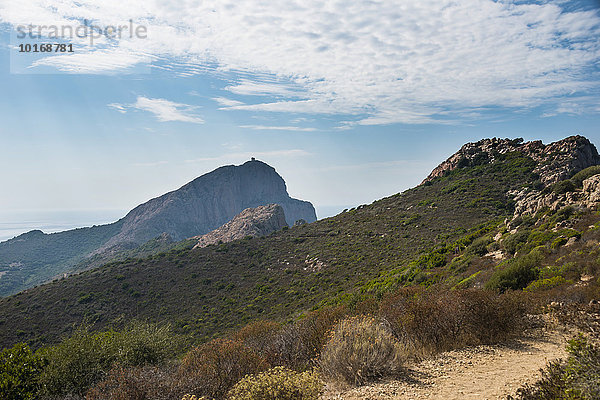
(259, 221)
(210, 201)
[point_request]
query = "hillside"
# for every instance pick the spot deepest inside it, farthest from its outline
(197, 208)
(35, 257)
(438, 232)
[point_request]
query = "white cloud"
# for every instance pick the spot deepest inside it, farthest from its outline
(256, 88)
(388, 61)
(109, 60)
(163, 110)
(225, 102)
(166, 110)
(576, 106)
(118, 107)
(277, 128)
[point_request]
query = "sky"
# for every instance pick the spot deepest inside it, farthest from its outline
(350, 101)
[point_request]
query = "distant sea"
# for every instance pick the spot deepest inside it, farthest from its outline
(14, 223)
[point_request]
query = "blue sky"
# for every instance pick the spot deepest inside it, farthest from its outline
(349, 101)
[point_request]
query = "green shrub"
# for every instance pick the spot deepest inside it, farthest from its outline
(147, 344)
(583, 368)
(78, 362)
(562, 187)
(519, 273)
(213, 368)
(578, 377)
(361, 349)
(19, 373)
(563, 214)
(83, 359)
(545, 283)
(278, 383)
(581, 176)
(460, 263)
(559, 241)
(516, 240)
(479, 246)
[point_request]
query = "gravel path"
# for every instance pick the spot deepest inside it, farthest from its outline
(483, 372)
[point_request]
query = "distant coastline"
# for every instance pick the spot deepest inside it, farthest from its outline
(15, 223)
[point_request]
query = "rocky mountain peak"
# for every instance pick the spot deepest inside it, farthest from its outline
(210, 201)
(258, 221)
(556, 161)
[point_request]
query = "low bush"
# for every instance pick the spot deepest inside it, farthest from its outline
(85, 358)
(563, 187)
(518, 274)
(460, 263)
(546, 283)
(479, 246)
(513, 242)
(213, 368)
(298, 345)
(147, 344)
(133, 383)
(439, 320)
(361, 349)
(581, 176)
(563, 214)
(578, 377)
(559, 241)
(278, 383)
(78, 362)
(258, 335)
(20, 369)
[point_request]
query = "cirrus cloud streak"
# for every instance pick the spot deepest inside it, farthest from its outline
(164, 110)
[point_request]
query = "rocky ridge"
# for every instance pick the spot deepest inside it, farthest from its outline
(258, 221)
(556, 161)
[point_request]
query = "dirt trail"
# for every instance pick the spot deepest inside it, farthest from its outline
(483, 372)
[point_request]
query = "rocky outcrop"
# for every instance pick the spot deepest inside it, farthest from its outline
(530, 201)
(555, 162)
(258, 221)
(210, 201)
(591, 189)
